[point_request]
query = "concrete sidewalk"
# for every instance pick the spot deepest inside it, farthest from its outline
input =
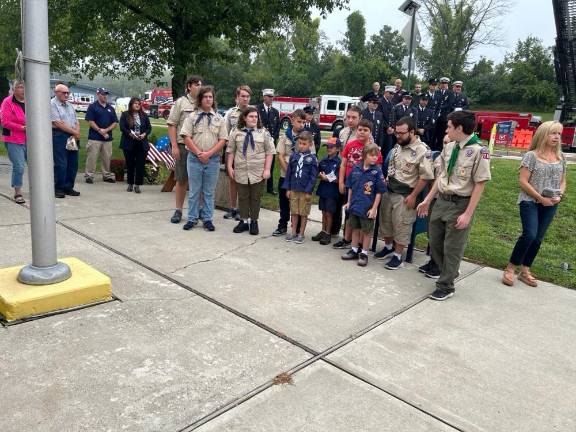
(204, 322)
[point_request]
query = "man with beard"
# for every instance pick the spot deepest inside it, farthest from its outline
(409, 170)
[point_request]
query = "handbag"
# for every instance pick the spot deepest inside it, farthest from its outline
(71, 144)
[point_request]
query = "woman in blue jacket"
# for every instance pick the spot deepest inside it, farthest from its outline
(135, 127)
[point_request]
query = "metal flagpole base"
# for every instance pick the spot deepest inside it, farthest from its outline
(31, 275)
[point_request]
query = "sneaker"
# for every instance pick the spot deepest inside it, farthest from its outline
(318, 236)
(362, 259)
(254, 230)
(231, 214)
(137, 189)
(89, 180)
(383, 253)
(72, 192)
(278, 232)
(290, 237)
(59, 194)
(176, 217)
(130, 188)
(209, 226)
(350, 255)
(441, 294)
(110, 180)
(433, 272)
(241, 227)
(424, 268)
(189, 225)
(394, 264)
(299, 239)
(342, 244)
(326, 240)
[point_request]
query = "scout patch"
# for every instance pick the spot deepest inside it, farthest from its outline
(469, 152)
(462, 172)
(485, 153)
(368, 188)
(429, 154)
(413, 153)
(308, 159)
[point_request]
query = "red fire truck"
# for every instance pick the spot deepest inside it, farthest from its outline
(157, 102)
(332, 109)
(287, 105)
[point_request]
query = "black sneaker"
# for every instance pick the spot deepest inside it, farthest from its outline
(59, 194)
(209, 226)
(189, 225)
(318, 236)
(279, 232)
(231, 214)
(424, 268)
(350, 255)
(254, 230)
(394, 263)
(326, 240)
(176, 217)
(342, 244)
(110, 180)
(441, 294)
(89, 180)
(433, 272)
(72, 192)
(137, 189)
(362, 259)
(241, 227)
(383, 253)
(130, 188)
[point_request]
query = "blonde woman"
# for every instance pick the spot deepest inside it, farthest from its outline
(542, 181)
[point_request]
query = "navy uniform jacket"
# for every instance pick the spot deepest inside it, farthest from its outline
(329, 189)
(368, 95)
(444, 104)
(315, 130)
(416, 99)
(386, 108)
(365, 184)
(301, 180)
(460, 101)
(397, 98)
(377, 119)
(400, 111)
(426, 122)
(432, 100)
(270, 120)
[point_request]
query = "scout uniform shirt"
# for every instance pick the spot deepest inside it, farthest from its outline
(249, 162)
(410, 163)
(301, 173)
(365, 184)
(472, 166)
(182, 108)
(288, 144)
(205, 129)
(231, 118)
(346, 134)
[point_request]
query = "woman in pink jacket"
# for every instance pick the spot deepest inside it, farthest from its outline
(14, 135)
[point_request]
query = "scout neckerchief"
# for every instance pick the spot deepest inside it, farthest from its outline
(203, 114)
(291, 137)
(454, 156)
(248, 139)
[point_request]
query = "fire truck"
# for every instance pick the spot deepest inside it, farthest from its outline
(158, 102)
(81, 101)
(332, 110)
(287, 105)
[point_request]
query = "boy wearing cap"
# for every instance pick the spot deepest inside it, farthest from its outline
(312, 127)
(299, 182)
(101, 117)
(465, 169)
(327, 191)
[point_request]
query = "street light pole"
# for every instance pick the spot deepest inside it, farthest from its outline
(411, 48)
(45, 268)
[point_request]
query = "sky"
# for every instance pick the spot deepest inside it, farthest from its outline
(525, 18)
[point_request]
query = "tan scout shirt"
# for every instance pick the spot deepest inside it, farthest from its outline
(284, 146)
(346, 134)
(411, 163)
(249, 169)
(181, 109)
(472, 166)
(205, 135)
(231, 118)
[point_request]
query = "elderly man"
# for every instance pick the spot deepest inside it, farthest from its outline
(375, 92)
(460, 101)
(64, 127)
(398, 92)
(101, 117)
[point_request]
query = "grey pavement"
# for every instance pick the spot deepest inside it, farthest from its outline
(204, 322)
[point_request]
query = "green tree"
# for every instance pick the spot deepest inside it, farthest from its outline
(387, 46)
(355, 36)
(9, 41)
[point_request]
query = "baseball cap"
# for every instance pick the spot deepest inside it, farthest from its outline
(102, 90)
(333, 142)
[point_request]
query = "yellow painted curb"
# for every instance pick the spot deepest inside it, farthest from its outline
(86, 285)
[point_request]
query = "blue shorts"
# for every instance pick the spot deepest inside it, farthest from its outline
(328, 204)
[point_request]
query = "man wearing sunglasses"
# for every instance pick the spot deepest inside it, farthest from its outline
(64, 126)
(460, 101)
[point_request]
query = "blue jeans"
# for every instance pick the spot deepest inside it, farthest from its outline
(536, 219)
(17, 155)
(202, 178)
(65, 163)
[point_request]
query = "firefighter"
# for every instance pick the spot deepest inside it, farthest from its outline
(377, 118)
(270, 118)
(403, 109)
(432, 83)
(312, 127)
(398, 92)
(460, 100)
(425, 124)
(416, 94)
(443, 107)
(386, 106)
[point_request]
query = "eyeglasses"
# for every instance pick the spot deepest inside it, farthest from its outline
(401, 133)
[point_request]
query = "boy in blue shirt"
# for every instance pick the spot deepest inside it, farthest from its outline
(301, 174)
(329, 168)
(365, 188)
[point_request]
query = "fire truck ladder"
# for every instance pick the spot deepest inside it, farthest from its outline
(565, 59)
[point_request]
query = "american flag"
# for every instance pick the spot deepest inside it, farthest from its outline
(155, 156)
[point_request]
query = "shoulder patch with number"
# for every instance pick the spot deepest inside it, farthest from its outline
(485, 153)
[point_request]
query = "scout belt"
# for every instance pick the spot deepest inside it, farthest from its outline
(398, 187)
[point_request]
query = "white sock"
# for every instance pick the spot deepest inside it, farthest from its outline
(354, 249)
(365, 251)
(388, 245)
(397, 255)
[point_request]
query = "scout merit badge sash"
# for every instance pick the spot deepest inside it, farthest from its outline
(454, 156)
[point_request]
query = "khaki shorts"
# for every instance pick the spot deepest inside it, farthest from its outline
(300, 203)
(364, 224)
(180, 168)
(396, 219)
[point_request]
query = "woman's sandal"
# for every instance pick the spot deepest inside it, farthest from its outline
(508, 277)
(528, 279)
(19, 199)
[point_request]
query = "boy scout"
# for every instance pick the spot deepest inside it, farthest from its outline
(181, 109)
(465, 169)
(409, 170)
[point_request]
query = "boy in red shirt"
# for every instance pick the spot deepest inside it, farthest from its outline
(352, 156)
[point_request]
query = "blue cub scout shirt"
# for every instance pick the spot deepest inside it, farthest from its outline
(103, 117)
(329, 189)
(301, 178)
(365, 184)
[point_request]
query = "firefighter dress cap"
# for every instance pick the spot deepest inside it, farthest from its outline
(424, 96)
(458, 83)
(308, 109)
(391, 89)
(407, 95)
(102, 90)
(373, 98)
(268, 92)
(432, 81)
(445, 80)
